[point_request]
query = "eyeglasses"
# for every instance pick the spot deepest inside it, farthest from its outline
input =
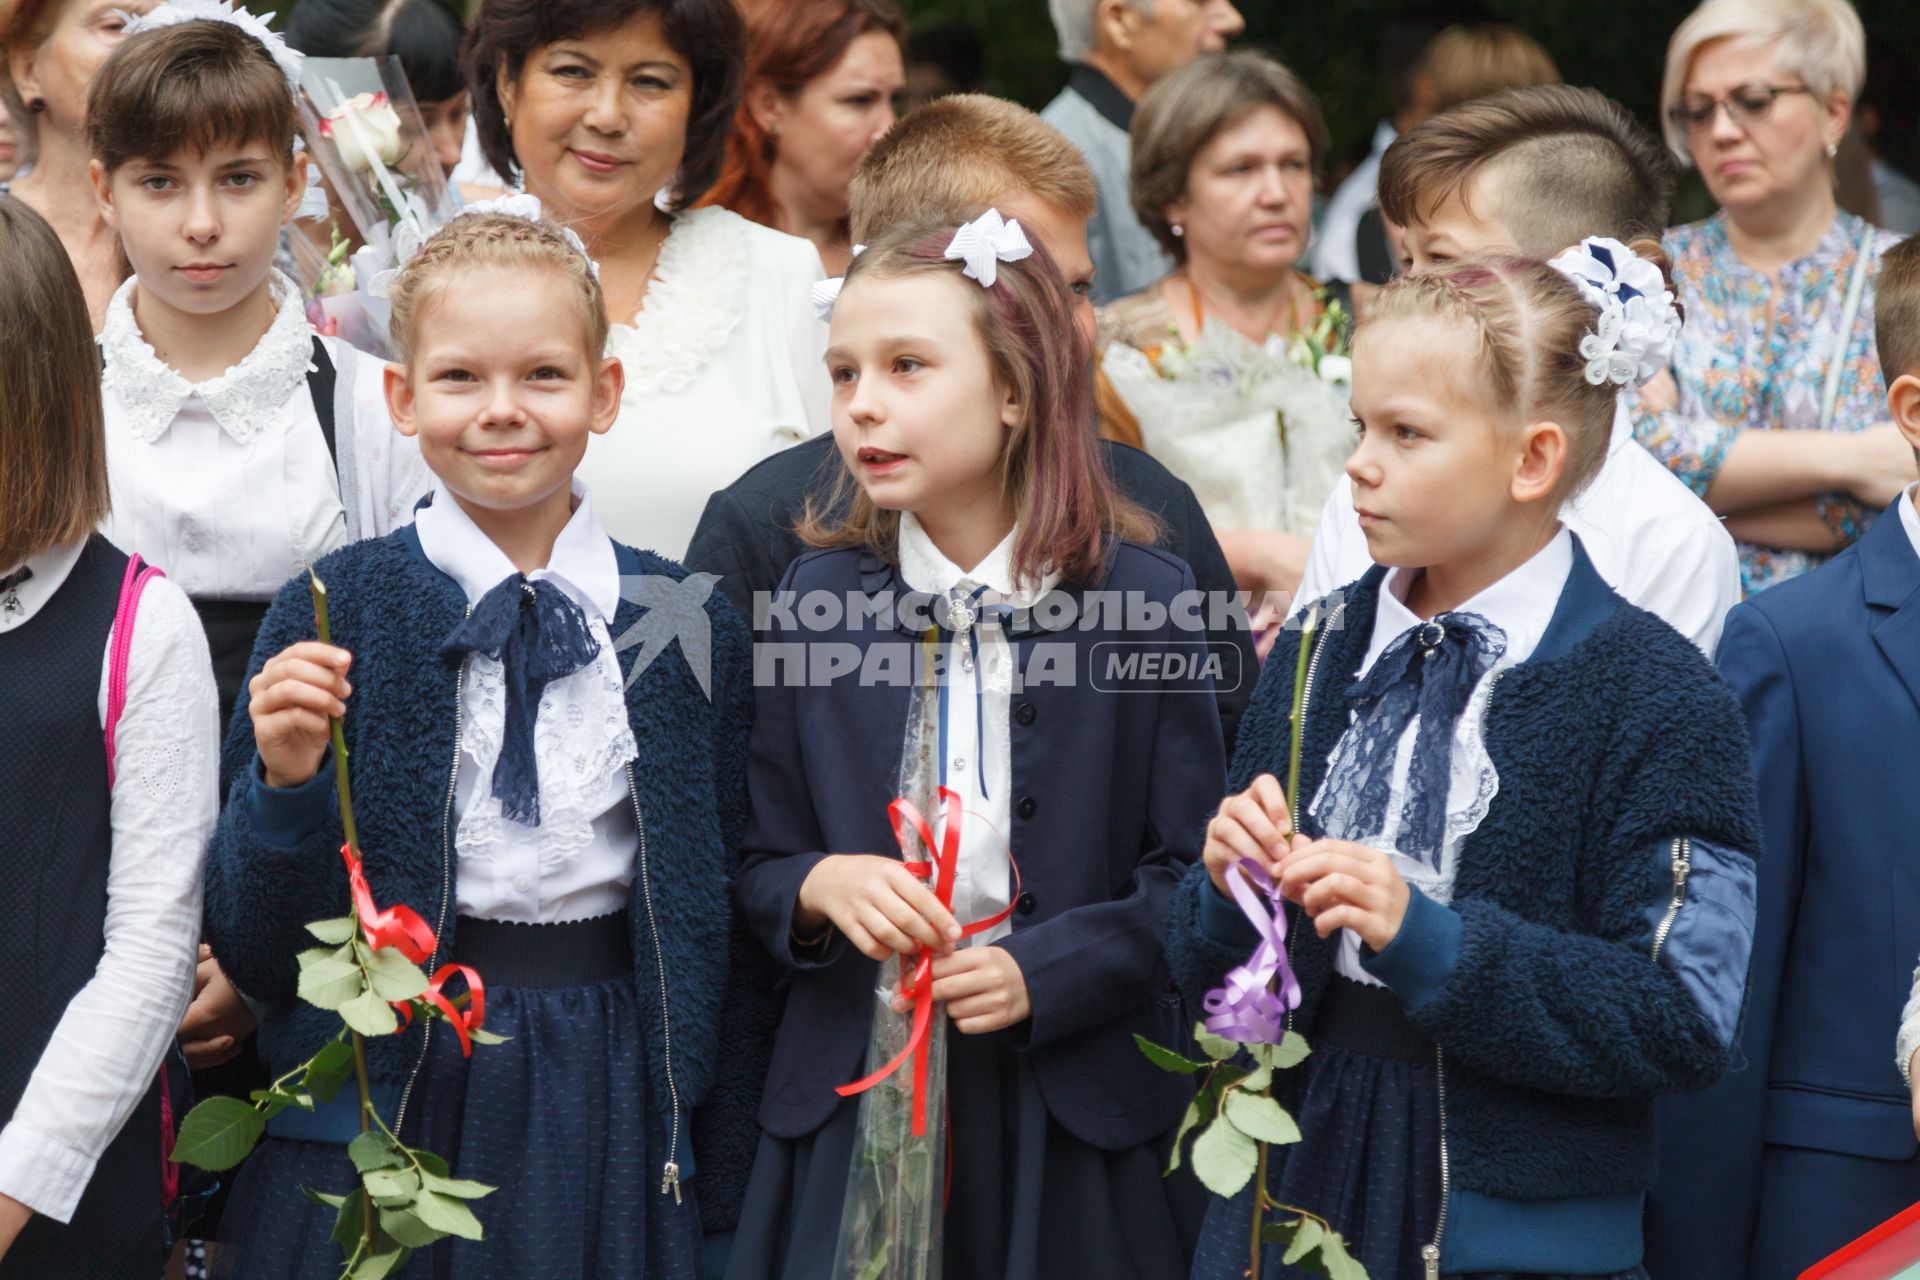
(1747, 105)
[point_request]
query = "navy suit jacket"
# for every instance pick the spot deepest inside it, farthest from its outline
(1809, 1141)
(1110, 796)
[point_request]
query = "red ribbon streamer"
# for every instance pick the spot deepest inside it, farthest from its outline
(464, 1023)
(399, 927)
(918, 985)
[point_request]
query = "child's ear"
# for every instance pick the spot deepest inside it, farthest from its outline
(399, 393)
(609, 381)
(103, 194)
(1542, 461)
(1013, 410)
(296, 186)
(1903, 401)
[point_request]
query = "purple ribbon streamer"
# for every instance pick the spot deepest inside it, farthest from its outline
(1247, 1010)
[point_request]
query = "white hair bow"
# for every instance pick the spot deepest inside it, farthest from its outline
(1639, 323)
(175, 12)
(985, 243)
(408, 239)
(827, 292)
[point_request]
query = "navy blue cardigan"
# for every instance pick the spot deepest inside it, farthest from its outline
(274, 861)
(1557, 1025)
(1109, 793)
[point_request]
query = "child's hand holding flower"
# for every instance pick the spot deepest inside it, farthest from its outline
(881, 907)
(290, 701)
(982, 989)
(1253, 824)
(1342, 885)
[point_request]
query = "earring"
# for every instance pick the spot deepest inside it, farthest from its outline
(774, 129)
(1177, 230)
(36, 105)
(1833, 150)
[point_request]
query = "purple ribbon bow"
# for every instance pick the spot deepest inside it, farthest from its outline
(1247, 1010)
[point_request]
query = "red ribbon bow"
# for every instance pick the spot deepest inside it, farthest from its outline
(917, 986)
(401, 928)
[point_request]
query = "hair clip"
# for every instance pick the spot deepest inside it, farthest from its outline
(827, 292)
(1639, 323)
(408, 241)
(175, 12)
(985, 243)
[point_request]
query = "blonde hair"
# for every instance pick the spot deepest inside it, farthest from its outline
(1821, 41)
(953, 158)
(476, 241)
(53, 444)
(1468, 62)
(1527, 320)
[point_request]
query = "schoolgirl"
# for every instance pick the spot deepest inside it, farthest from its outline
(106, 799)
(240, 445)
(1521, 899)
(571, 844)
(962, 412)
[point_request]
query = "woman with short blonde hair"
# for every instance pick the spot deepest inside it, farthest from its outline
(1777, 421)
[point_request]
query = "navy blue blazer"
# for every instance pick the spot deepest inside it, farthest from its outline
(1809, 1141)
(1110, 795)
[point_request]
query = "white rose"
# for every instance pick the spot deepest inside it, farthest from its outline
(364, 129)
(1336, 369)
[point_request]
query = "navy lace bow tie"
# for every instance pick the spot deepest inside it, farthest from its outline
(1428, 671)
(538, 635)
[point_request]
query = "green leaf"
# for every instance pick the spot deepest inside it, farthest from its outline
(395, 977)
(391, 1188)
(1224, 1158)
(1216, 1047)
(1305, 1240)
(1279, 1232)
(459, 1188)
(1166, 1059)
(1256, 1080)
(479, 1035)
(333, 932)
(368, 1014)
(448, 1215)
(329, 979)
(1340, 1264)
(375, 1150)
(1196, 1111)
(1290, 1052)
(1261, 1118)
(322, 1198)
(328, 1069)
(347, 1224)
(218, 1134)
(405, 1227)
(378, 1266)
(278, 1100)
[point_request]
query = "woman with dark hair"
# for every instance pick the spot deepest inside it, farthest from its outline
(821, 83)
(424, 34)
(615, 113)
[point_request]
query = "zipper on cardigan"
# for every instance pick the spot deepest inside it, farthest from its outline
(1682, 868)
(446, 882)
(670, 1171)
(1293, 802)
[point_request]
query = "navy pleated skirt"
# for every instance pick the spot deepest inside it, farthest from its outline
(1368, 1103)
(556, 1118)
(1029, 1200)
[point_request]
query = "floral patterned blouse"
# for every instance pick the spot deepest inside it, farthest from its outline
(1738, 373)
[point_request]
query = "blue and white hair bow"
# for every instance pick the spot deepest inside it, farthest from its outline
(985, 243)
(1639, 323)
(408, 240)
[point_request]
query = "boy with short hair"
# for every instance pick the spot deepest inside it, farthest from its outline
(1533, 171)
(1811, 1142)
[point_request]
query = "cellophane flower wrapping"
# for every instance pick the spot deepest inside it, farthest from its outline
(890, 1220)
(362, 127)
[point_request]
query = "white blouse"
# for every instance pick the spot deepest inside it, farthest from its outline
(579, 862)
(226, 484)
(724, 367)
(1521, 605)
(105, 1052)
(983, 882)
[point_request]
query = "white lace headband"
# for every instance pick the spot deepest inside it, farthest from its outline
(175, 12)
(982, 245)
(408, 240)
(1639, 323)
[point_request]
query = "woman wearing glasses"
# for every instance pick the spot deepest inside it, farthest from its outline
(1778, 420)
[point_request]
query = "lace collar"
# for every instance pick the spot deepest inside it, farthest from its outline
(695, 301)
(242, 400)
(924, 567)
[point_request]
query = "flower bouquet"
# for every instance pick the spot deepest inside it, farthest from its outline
(365, 132)
(368, 971)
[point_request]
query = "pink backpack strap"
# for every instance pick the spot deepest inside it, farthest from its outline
(131, 587)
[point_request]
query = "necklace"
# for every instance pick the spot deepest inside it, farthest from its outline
(10, 606)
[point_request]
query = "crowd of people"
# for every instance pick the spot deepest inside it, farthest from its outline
(1521, 594)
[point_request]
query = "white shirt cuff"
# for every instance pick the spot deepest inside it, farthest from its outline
(42, 1174)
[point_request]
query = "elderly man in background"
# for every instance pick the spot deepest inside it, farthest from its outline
(1118, 49)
